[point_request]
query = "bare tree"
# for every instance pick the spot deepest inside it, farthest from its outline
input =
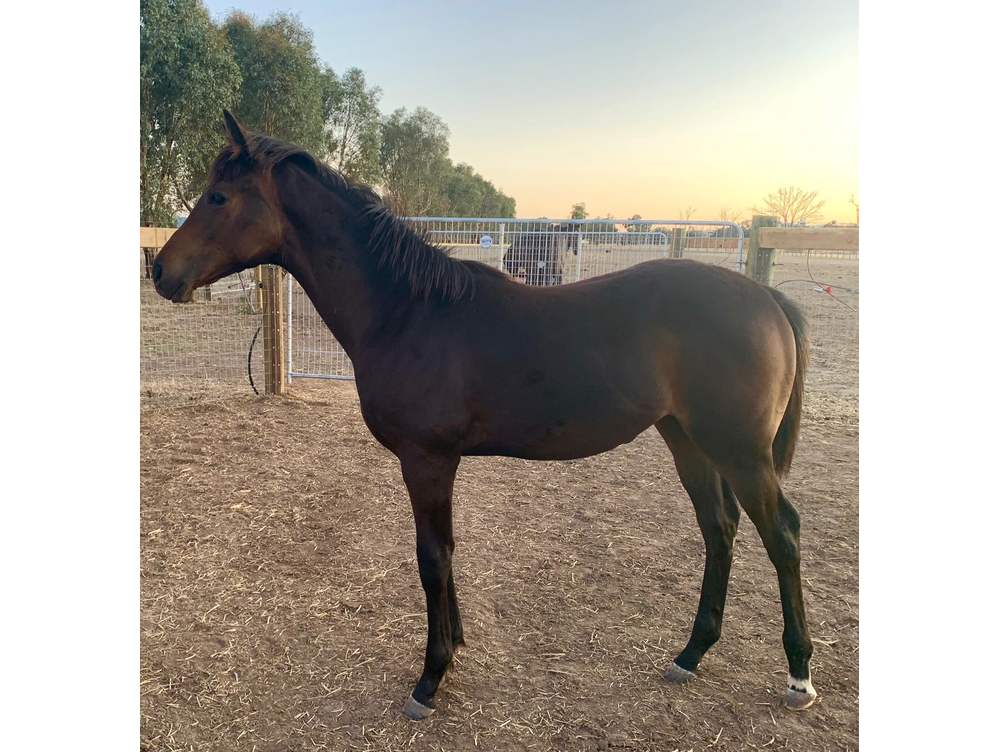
(792, 206)
(857, 209)
(730, 215)
(687, 213)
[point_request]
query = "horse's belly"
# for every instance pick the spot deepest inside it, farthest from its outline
(563, 438)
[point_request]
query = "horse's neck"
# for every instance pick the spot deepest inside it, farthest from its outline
(334, 269)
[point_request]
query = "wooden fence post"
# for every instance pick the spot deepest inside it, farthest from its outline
(760, 261)
(274, 345)
(677, 238)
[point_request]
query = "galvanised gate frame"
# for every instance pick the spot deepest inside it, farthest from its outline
(536, 251)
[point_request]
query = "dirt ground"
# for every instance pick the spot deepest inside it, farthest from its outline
(281, 607)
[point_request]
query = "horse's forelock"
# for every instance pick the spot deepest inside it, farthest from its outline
(231, 163)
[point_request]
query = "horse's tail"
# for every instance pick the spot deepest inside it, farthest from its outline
(783, 446)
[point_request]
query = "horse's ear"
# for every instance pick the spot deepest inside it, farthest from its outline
(234, 130)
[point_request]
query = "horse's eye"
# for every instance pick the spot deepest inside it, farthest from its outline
(216, 198)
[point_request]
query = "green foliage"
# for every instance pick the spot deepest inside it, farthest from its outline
(579, 211)
(413, 160)
(469, 194)
(269, 76)
(354, 124)
(283, 85)
(187, 74)
(418, 177)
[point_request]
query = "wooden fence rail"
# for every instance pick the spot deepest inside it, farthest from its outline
(766, 238)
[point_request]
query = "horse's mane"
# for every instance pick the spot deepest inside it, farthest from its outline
(422, 268)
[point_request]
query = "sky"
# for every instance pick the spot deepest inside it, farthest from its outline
(648, 108)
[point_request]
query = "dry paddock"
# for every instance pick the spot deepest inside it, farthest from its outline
(281, 607)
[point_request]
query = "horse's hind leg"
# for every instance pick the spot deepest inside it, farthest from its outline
(777, 522)
(718, 517)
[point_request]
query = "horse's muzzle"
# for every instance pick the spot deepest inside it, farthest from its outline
(176, 291)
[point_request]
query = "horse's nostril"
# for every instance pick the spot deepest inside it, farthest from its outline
(157, 271)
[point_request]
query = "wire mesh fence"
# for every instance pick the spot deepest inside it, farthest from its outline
(537, 252)
(825, 285)
(313, 352)
(203, 346)
(209, 346)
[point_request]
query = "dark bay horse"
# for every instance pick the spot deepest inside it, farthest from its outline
(450, 361)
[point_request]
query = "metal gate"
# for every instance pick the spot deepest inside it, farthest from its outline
(537, 252)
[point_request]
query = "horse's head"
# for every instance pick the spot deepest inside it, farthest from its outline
(236, 224)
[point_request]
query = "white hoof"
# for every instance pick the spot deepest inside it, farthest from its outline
(800, 693)
(416, 711)
(678, 675)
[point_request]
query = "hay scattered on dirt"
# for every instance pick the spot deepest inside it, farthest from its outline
(282, 608)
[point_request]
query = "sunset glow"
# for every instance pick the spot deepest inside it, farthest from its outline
(645, 108)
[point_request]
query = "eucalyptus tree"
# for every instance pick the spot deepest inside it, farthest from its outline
(413, 161)
(187, 74)
(283, 84)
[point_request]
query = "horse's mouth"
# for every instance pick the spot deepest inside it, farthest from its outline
(183, 296)
(183, 293)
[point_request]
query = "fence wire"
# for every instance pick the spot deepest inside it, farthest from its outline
(203, 346)
(825, 285)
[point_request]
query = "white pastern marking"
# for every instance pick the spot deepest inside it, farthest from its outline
(801, 685)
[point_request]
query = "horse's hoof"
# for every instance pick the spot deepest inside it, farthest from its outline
(800, 694)
(416, 711)
(678, 675)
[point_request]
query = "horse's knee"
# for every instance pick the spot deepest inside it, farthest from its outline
(434, 563)
(719, 547)
(719, 532)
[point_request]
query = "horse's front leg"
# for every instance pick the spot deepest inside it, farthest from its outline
(429, 479)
